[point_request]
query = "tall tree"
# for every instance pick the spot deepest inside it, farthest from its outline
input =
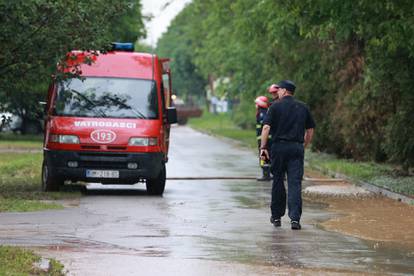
(178, 45)
(36, 35)
(352, 61)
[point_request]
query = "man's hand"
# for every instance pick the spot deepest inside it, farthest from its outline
(264, 155)
(308, 136)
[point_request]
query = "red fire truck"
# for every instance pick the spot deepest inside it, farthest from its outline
(111, 125)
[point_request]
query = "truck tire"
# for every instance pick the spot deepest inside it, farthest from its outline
(50, 182)
(156, 186)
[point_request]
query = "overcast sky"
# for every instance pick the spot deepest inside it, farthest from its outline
(162, 15)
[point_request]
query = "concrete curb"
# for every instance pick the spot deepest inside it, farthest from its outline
(368, 186)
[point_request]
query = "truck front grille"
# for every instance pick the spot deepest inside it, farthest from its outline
(103, 160)
(116, 148)
(95, 147)
(102, 154)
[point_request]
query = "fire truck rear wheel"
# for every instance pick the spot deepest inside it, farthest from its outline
(156, 186)
(50, 182)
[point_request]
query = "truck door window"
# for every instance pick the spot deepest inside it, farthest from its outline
(107, 97)
(167, 89)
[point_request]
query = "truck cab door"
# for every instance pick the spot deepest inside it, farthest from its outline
(168, 108)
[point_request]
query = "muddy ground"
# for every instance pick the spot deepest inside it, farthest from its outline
(367, 216)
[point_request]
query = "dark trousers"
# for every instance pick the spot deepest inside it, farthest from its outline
(287, 158)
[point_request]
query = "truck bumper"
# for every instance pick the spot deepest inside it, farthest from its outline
(148, 165)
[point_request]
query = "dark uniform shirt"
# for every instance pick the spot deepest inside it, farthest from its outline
(288, 120)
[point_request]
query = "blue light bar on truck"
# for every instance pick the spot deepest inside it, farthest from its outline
(118, 46)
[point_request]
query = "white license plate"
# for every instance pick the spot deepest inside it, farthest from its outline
(102, 174)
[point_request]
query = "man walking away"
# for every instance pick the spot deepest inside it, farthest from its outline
(291, 126)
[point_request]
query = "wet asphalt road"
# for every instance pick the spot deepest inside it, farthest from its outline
(199, 227)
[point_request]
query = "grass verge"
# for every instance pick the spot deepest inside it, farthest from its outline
(20, 182)
(19, 261)
(20, 191)
(381, 175)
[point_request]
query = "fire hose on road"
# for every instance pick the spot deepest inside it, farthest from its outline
(245, 178)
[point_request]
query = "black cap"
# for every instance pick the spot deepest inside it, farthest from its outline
(288, 85)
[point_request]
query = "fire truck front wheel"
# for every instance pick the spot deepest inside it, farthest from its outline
(50, 182)
(156, 186)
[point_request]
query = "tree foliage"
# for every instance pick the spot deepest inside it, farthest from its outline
(178, 45)
(352, 62)
(36, 35)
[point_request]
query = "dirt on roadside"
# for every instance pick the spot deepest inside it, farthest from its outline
(375, 218)
(379, 219)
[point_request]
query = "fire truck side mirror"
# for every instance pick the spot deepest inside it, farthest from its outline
(171, 115)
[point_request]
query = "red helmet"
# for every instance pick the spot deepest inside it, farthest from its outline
(262, 101)
(273, 88)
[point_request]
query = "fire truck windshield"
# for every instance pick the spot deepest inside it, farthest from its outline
(107, 97)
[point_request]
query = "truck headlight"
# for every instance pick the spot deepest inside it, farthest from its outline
(143, 141)
(64, 139)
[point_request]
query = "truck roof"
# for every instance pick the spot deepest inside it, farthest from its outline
(115, 64)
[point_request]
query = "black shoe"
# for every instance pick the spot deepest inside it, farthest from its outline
(295, 225)
(275, 222)
(263, 178)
